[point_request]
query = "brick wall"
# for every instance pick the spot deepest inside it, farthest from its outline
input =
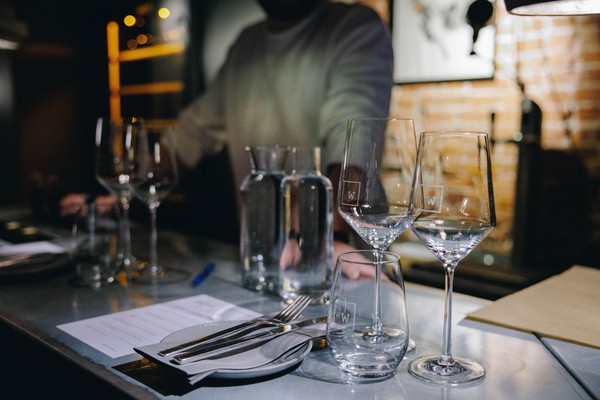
(559, 64)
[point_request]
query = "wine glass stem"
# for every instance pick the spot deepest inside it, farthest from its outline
(377, 323)
(125, 232)
(153, 265)
(446, 357)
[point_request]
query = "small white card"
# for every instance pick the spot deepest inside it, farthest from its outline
(117, 334)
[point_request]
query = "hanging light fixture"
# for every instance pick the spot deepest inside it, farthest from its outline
(553, 7)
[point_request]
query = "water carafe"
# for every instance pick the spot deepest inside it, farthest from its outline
(260, 193)
(306, 229)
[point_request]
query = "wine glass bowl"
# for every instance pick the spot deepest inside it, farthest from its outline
(155, 175)
(374, 195)
(451, 212)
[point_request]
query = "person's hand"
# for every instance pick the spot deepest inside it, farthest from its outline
(74, 203)
(292, 255)
(352, 271)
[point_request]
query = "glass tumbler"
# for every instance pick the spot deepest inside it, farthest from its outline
(362, 345)
(92, 258)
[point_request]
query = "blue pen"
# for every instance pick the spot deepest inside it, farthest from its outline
(206, 271)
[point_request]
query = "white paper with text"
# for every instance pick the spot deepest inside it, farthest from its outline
(117, 334)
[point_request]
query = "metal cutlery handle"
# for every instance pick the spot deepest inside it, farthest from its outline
(264, 335)
(234, 331)
(224, 343)
(286, 315)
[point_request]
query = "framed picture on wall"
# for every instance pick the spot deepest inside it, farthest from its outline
(443, 40)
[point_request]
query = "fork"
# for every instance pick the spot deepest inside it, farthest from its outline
(288, 314)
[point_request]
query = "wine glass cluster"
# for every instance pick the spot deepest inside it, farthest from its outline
(442, 189)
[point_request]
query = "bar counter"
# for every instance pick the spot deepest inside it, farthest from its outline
(40, 359)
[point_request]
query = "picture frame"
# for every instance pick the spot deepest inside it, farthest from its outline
(433, 40)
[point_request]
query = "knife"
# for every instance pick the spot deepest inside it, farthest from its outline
(267, 334)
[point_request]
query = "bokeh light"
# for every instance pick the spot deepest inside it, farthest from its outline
(164, 12)
(129, 20)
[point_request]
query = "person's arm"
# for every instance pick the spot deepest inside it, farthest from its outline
(360, 86)
(361, 78)
(200, 128)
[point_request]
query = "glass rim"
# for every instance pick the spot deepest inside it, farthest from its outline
(456, 132)
(380, 119)
(395, 257)
(266, 147)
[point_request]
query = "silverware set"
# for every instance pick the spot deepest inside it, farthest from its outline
(265, 326)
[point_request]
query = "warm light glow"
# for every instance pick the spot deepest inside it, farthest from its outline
(142, 39)
(172, 35)
(132, 44)
(152, 88)
(112, 38)
(150, 52)
(129, 20)
(144, 9)
(114, 79)
(164, 12)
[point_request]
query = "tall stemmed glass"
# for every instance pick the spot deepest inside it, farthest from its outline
(155, 175)
(451, 212)
(114, 166)
(374, 195)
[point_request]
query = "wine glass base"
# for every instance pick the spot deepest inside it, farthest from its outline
(429, 369)
(320, 365)
(93, 283)
(161, 274)
(126, 264)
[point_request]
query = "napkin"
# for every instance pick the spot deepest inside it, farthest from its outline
(32, 248)
(252, 354)
(565, 307)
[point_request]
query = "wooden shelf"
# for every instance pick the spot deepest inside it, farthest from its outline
(152, 88)
(145, 53)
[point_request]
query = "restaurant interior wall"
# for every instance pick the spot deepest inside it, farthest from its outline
(558, 61)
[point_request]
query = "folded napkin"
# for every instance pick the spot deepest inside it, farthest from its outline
(247, 356)
(32, 248)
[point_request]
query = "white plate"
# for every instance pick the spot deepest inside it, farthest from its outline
(276, 366)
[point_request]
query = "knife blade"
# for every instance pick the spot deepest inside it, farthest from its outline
(267, 334)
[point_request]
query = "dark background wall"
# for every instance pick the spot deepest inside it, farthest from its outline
(57, 85)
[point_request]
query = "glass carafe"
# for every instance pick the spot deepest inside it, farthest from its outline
(306, 234)
(260, 193)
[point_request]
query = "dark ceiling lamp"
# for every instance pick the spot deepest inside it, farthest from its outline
(553, 7)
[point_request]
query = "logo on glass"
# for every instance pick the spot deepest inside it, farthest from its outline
(344, 312)
(432, 197)
(350, 193)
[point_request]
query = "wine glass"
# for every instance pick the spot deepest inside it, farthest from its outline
(155, 174)
(374, 195)
(451, 212)
(114, 166)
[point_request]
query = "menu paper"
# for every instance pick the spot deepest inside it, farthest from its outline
(117, 334)
(565, 307)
